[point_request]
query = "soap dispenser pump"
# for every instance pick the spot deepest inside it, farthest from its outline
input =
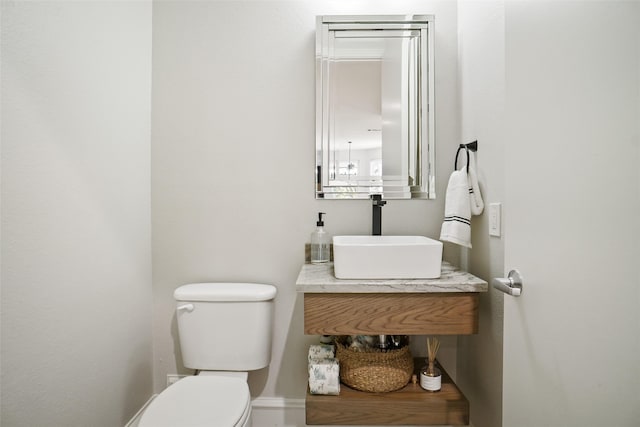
(319, 242)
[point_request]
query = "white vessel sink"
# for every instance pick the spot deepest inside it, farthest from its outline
(386, 257)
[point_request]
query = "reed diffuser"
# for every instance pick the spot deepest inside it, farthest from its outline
(430, 375)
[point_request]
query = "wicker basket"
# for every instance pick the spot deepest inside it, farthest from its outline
(374, 370)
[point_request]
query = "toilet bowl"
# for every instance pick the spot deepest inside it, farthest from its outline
(200, 401)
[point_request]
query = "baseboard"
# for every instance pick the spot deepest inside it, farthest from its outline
(277, 402)
(133, 422)
(277, 411)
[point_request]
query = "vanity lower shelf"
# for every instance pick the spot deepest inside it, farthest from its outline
(410, 405)
(445, 306)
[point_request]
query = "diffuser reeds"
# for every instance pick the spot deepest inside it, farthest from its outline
(433, 345)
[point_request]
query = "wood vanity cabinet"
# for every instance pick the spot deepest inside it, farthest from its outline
(444, 306)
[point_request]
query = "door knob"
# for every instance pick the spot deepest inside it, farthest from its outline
(512, 285)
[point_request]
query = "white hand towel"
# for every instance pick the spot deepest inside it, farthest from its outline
(456, 227)
(475, 197)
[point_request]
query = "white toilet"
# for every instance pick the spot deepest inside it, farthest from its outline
(225, 331)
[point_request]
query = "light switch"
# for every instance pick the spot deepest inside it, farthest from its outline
(495, 213)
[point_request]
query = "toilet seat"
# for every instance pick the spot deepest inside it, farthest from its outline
(199, 401)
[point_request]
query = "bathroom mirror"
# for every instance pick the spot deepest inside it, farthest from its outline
(375, 107)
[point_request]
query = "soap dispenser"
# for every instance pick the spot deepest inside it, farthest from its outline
(319, 243)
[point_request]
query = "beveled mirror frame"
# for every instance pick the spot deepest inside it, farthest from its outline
(420, 181)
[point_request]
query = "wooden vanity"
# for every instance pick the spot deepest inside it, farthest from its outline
(444, 306)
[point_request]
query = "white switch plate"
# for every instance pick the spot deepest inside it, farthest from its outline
(495, 220)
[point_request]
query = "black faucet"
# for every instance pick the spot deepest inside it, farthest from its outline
(376, 223)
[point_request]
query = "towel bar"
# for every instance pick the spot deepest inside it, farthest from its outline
(472, 146)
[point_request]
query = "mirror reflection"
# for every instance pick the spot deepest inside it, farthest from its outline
(374, 133)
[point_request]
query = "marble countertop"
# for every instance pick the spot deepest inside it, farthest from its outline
(319, 278)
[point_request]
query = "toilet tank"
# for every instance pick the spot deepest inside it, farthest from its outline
(225, 326)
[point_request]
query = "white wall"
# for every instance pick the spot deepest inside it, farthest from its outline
(76, 285)
(482, 85)
(233, 154)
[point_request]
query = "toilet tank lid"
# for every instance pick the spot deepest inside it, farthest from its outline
(225, 292)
